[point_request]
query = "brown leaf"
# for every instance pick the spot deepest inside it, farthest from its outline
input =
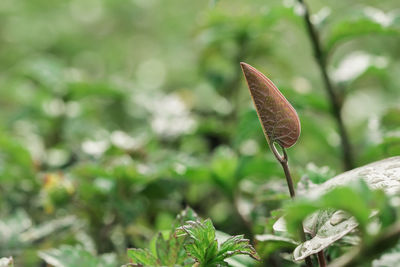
(278, 118)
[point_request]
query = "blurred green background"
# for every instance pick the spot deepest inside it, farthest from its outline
(115, 115)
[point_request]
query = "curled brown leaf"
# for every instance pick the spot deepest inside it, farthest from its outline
(278, 118)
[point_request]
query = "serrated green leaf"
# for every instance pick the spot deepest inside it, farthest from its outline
(236, 245)
(177, 253)
(142, 256)
(171, 251)
(166, 249)
(203, 245)
(162, 249)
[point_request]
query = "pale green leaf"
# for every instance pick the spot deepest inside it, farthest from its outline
(337, 226)
(68, 256)
(6, 262)
(203, 245)
(366, 22)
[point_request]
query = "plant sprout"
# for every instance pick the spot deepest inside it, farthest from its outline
(278, 118)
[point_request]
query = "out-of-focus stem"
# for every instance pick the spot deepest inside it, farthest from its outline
(321, 259)
(336, 104)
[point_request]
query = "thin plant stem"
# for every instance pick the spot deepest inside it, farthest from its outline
(336, 104)
(283, 160)
(321, 259)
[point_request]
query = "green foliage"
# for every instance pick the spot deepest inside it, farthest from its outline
(316, 175)
(143, 256)
(68, 256)
(324, 217)
(115, 115)
(167, 251)
(194, 241)
(203, 245)
(368, 21)
(268, 243)
(17, 231)
(357, 201)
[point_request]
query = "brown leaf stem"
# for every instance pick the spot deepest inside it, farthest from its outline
(283, 160)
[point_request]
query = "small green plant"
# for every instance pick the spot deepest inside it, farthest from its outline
(194, 243)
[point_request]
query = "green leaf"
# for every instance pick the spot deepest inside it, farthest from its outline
(47, 228)
(236, 245)
(383, 174)
(267, 244)
(224, 166)
(334, 228)
(275, 238)
(17, 231)
(357, 64)
(391, 119)
(170, 252)
(166, 249)
(203, 245)
(357, 200)
(80, 90)
(365, 22)
(142, 256)
(162, 248)
(317, 175)
(389, 146)
(68, 256)
(187, 214)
